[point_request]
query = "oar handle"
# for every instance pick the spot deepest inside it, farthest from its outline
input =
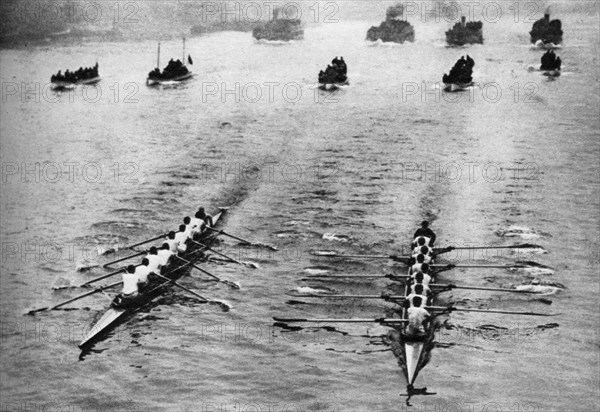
(97, 290)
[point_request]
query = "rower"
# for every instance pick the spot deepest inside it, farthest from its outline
(421, 278)
(417, 315)
(425, 258)
(130, 287)
(205, 217)
(181, 237)
(425, 231)
(153, 259)
(164, 254)
(419, 242)
(418, 291)
(418, 265)
(188, 226)
(425, 250)
(142, 272)
(172, 242)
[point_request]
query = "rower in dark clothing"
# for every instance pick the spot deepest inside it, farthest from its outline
(426, 232)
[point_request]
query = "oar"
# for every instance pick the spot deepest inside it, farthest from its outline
(109, 251)
(242, 240)
(97, 290)
(124, 258)
(521, 246)
(357, 320)
(223, 305)
(403, 259)
(449, 287)
(218, 279)
(516, 265)
(247, 264)
(506, 312)
(83, 285)
(323, 295)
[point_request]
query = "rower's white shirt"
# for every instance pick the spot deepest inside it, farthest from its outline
(154, 262)
(426, 259)
(416, 317)
(181, 237)
(164, 256)
(416, 268)
(173, 243)
(426, 279)
(142, 272)
(197, 225)
(416, 241)
(426, 289)
(130, 281)
(410, 298)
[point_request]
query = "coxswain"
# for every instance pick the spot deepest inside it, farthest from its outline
(208, 220)
(421, 278)
(130, 286)
(417, 316)
(153, 259)
(142, 272)
(172, 242)
(181, 237)
(165, 253)
(198, 224)
(426, 232)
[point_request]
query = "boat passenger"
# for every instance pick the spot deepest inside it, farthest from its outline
(153, 259)
(181, 237)
(173, 243)
(142, 272)
(425, 231)
(417, 315)
(417, 266)
(165, 253)
(419, 242)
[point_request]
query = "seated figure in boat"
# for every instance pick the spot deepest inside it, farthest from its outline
(130, 288)
(142, 272)
(418, 291)
(181, 237)
(550, 61)
(208, 220)
(421, 278)
(417, 266)
(165, 254)
(172, 242)
(153, 259)
(417, 316)
(425, 232)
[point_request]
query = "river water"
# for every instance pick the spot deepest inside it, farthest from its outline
(353, 171)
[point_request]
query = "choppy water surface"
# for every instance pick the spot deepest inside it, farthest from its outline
(353, 171)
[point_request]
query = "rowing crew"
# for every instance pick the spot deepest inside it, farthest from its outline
(135, 278)
(421, 275)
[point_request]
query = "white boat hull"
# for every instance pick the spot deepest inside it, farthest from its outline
(413, 352)
(155, 82)
(70, 85)
(109, 317)
(457, 87)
